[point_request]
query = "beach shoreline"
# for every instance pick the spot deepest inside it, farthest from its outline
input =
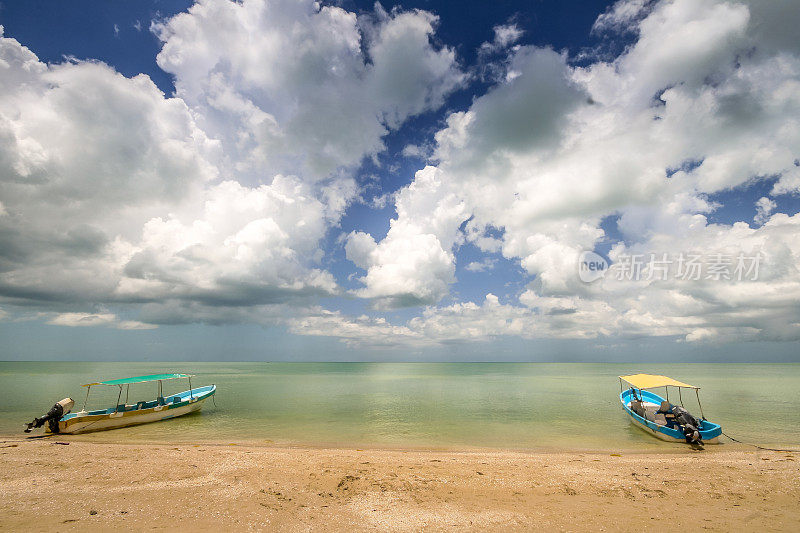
(89, 485)
(649, 445)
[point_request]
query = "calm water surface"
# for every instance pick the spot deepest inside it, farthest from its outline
(452, 405)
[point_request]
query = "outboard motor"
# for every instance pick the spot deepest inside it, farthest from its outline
(689, 425)
(53, 416)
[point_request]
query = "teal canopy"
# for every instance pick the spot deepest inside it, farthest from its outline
(139, 379)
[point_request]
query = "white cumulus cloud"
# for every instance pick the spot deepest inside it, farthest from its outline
(292, 87)
(703, 101)
(218, 197)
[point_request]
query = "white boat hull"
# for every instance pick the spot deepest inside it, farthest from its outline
(112, 422)
(185, 403)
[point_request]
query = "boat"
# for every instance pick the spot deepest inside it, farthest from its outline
(662, 419)
(60, 420)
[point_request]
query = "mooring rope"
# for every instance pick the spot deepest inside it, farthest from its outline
(760, 447)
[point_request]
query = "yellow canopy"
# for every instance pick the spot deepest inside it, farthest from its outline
(650, 381)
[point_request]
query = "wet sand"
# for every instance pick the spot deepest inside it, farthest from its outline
(90, 486)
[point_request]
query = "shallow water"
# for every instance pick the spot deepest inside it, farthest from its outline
(450, 405)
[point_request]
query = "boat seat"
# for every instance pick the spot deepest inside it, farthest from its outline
(636, 407)
(660, 419)
(666, 407)
(649, 413)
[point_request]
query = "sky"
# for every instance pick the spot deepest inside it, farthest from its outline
(425, 181)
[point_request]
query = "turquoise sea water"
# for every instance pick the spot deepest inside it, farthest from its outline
(428, 405)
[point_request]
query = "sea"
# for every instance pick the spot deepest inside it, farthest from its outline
(517, 406)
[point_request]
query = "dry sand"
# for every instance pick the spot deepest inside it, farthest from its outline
(83, 486)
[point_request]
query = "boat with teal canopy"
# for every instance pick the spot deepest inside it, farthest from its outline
(661, 418)
(60, 420)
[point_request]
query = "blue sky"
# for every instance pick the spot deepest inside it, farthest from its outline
(412, 181)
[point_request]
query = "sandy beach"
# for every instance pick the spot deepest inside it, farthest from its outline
(51, 486)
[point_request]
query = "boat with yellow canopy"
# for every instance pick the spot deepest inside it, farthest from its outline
(659, 417)
(60, 420)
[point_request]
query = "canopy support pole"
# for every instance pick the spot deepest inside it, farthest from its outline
(680, 396)
(697, 391)
(87, 397)
(127, 394)
(191, 394)
(119, 398)
(666, 388)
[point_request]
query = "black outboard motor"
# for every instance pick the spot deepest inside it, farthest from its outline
(689, 425)
(53, 416)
